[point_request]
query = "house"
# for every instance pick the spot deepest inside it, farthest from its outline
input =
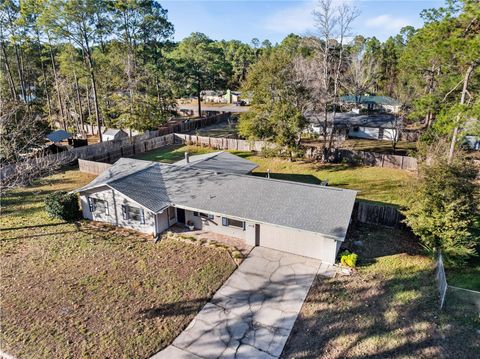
(232, 96)
(114, 135)
(351, 125)
(304, 219)
(58, 136)
(382, 103)
(213, 96)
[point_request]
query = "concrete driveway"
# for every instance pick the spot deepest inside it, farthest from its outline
(252, 314)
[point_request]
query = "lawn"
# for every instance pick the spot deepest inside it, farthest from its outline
(84, 290)
(404, 148)
(389, 308)
(377, 184)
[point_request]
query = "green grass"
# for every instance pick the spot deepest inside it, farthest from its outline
(78, 290)
(377, 184)
(468, 278)
(387, 309)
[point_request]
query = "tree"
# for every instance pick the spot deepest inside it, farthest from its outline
(277, 106)
(200, 65)
(320, 74)
(83, 23)
(444, 206)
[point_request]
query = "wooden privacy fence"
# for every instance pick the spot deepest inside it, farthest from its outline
(366, 158)
(92, 167)
(372, 213)
(110, 151)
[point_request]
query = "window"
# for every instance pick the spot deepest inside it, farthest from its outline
(356, 129)
(98, 205)
(133, 213)
(195, 214)
(228, 222)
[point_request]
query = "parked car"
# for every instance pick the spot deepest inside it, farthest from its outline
(240, 103)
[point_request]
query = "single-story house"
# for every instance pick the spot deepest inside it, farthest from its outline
(58, 136)
(304, 219)
(213, 96)
(112, 134)
(352, 125)
(384, 103)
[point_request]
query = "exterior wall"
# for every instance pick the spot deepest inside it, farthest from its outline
(364, 132)
(308, 244)
(215, 225)
(115, 201)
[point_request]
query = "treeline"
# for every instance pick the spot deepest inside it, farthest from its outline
(434, 71)
(109, 63)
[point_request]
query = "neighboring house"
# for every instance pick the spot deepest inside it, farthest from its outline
(58, 136)
(213, 96)
(384, 103)
(113, 135)
(309, 220)
(472, 142)
(232, 96)
(352, 125)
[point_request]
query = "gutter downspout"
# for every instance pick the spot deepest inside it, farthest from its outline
(115, 207)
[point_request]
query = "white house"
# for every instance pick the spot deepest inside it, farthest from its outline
(304, 219)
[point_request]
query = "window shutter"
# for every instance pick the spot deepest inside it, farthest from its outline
(244, 225)
(224, 221)
(91, 207)
(124, 211)
(142, 216)
(107, 212)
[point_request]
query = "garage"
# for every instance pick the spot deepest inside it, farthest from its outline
(308, 244)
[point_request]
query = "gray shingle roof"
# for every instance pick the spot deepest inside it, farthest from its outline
(314, 208)
(58, 136)
(219, 162)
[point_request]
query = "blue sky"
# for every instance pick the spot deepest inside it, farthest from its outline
(273, 20)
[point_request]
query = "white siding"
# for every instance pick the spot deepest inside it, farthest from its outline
(303, 243)
(215, 225)
(115, 201)
(364, 132)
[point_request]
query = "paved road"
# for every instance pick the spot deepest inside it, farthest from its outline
(225, 108)
(252, 314)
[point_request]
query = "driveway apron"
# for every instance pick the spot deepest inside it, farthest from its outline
(252, 314)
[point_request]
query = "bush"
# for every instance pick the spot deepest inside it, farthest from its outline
(348, 259)
(62, 205)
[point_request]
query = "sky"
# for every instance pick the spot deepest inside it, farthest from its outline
(275, 19)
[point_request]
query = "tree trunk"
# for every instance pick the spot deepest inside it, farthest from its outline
(94, 88)
(9, 72)
(20, 74)
(59, 97)
(466, 80)
(199, 98)
(79, 100)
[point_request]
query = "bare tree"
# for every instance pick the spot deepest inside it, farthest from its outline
(22, 137)
(359, 74)
(322, 73)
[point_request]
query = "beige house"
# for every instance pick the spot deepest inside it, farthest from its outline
(308, 220)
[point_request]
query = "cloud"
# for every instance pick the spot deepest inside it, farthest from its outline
(387, 21)
(295, 19)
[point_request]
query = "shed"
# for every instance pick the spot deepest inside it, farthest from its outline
(58, 136)
(113, 134)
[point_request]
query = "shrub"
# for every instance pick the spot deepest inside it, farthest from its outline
(62, 205)
(348, 259)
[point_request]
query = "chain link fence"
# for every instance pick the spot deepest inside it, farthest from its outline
(452, 297)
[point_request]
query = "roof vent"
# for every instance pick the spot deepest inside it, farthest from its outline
(187, 157)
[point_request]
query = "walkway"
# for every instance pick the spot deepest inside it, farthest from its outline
(252, 314)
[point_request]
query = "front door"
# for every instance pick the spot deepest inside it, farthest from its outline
(180, 215)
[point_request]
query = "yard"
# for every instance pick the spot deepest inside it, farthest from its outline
(378, 184)
(82, 290)
(389, 308)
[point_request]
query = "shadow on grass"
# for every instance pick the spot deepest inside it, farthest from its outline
(34, 226)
